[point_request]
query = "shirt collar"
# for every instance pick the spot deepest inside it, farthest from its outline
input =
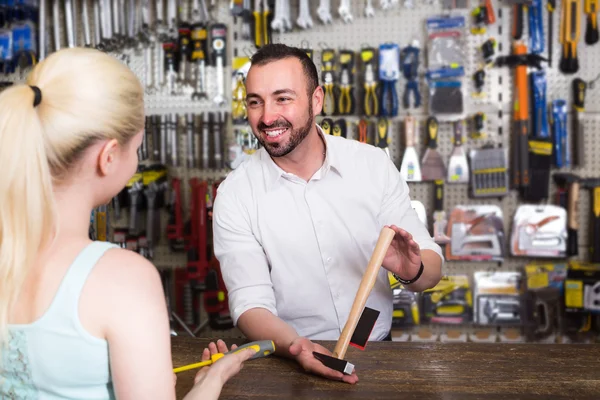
(333, 161)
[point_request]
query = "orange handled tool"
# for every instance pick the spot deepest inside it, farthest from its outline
(521, 121)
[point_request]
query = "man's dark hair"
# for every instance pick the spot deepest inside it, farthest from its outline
(278, 51)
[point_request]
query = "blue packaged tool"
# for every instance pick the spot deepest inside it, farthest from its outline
(410, 68)
(540, 117)
(536, 27)
(389, 73)
(6, 51)
(559, 133)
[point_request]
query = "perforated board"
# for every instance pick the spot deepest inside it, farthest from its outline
(399, 25)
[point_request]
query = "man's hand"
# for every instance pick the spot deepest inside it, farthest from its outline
(302, 350)
(403, 257)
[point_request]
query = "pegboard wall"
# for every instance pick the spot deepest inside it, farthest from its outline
(397, 24)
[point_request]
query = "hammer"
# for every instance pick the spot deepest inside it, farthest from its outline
(361, 319)
(569, 183)
(594, 185)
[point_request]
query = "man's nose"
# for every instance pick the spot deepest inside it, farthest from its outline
(269, 114)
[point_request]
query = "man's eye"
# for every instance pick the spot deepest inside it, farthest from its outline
(284, 99)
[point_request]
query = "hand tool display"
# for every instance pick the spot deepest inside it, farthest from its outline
(505, 137)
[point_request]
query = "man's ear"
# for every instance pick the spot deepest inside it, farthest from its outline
(108, 157)
(317, 100)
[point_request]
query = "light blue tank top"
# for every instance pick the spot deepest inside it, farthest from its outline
(55, 357)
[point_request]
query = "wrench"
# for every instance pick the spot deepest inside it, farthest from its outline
(87, 34)
(174, 140)
(218, 121)
(191, 162)
(369, 10)
(219, 36)
(344, 11)
(205, 140)
(42, 30)
(324, 11)
(56, 24)
(134, 193)
(304, 18)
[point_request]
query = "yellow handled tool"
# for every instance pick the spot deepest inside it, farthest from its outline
(591, 32)
(263, 348)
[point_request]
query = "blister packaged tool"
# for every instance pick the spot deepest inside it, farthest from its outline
(389, 73)
(476, 233)
(540, 143)
(559, 133)
(489, 172)
(539, 231)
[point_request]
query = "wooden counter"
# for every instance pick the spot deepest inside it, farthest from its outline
(397, 370)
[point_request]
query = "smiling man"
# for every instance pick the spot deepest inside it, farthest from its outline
(295, 224)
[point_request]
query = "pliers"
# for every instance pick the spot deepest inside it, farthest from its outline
(389, 72)
(410, 64)
(371, 103)
(345, 100)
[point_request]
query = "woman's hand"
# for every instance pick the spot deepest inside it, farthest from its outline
(226, 367)
(209, 381)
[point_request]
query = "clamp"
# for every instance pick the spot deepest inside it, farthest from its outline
(389, 72)
(410, 66)
(345, 101)
(371, 105)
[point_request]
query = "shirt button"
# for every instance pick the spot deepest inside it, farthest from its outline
(329, 260)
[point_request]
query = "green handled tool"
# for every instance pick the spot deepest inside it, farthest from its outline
(263, 348)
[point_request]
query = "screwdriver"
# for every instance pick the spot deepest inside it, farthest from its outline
(591, 32)
(262, 348)
(579, 88)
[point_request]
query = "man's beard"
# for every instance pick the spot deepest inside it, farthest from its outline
(296, 136)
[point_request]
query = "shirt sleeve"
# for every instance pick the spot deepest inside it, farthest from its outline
(397, 210)
(243, 263)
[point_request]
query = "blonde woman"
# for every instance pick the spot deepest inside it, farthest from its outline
(79, 319)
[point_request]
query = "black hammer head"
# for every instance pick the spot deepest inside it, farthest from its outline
(335, 363)
(565, 178)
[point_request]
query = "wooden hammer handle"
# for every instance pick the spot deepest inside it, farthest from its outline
(385, 238)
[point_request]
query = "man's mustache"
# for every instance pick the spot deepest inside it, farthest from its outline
(276, 124)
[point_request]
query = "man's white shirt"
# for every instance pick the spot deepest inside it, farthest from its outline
(299, 249)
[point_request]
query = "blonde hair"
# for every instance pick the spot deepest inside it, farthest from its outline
(86, 95)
